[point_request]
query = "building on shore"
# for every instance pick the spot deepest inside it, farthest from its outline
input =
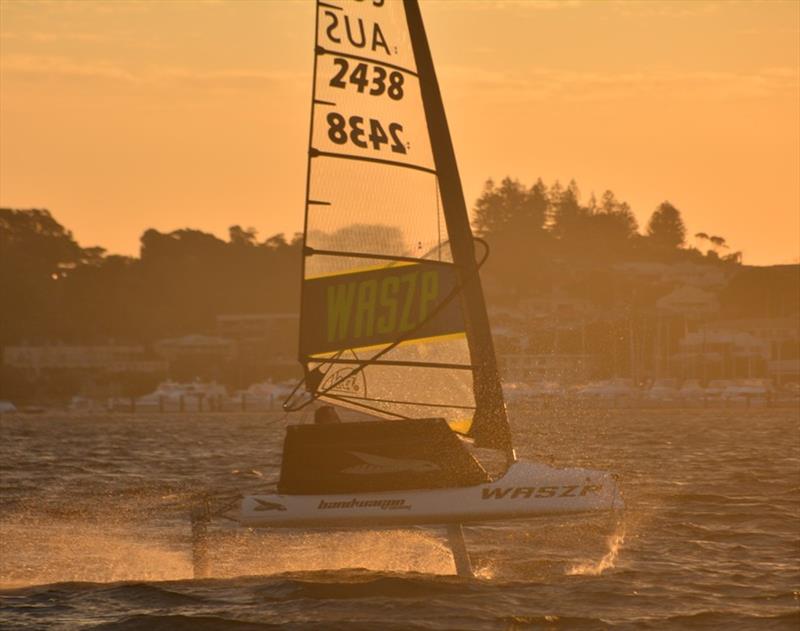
(197, 348)
(742, 348)
(258, 326)
(689, 302)
(110, 358)
(703, 275)
(562, 368)
(57, 371)
(266, 344)
(192, 357)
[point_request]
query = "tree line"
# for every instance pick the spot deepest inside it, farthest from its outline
(541, 237)
(53, 289)
(516, 217)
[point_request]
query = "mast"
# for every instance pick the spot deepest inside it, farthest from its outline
(490, 425)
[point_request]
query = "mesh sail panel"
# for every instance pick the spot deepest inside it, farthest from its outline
(382, 322)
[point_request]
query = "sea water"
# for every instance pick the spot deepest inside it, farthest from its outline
(94, 531)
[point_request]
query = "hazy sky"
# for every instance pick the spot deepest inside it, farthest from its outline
(120, 116)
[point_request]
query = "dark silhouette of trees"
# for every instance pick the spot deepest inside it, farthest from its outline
(36, 253)
(513, 219)
(54, 290)
(613, 225)
(510, 210)
(718, 242)
(524, 223)
(553, 257)
(239, 237)
(620, 216)
(666, 229)
(192, 276)
(569, 218)
(573, 252)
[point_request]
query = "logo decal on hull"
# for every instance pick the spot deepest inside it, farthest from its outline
(373, 464)
(383, 504)
(538, 492)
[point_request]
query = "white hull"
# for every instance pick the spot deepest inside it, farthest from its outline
(526, 490)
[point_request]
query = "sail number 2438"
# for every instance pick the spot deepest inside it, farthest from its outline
(340, 130)
(381, 81)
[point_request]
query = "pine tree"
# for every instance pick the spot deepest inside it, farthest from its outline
(511, 210)
(567, 210)
(666, 228)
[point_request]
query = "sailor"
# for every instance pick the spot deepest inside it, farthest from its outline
(325, 415)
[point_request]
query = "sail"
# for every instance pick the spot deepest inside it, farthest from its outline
(391, 323)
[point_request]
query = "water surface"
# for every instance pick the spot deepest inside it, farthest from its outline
(94, 533)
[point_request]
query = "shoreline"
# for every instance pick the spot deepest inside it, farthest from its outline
(534, 405)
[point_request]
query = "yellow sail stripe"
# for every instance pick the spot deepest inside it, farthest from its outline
(360, 270)
(419, 340)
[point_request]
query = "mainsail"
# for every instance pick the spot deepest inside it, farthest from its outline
(393, 321)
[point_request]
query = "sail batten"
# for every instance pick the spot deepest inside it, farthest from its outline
(325, 51)
(389, 362)
(385, 321)
(370, 255)
(316, 153)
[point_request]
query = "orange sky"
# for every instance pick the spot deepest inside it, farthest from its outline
(119, 116)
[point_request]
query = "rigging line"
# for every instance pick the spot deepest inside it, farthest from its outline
(309, 251)
(321, 102)
(316, 202)
(316, 153)
(320, 50)
(449, 298)
(393, 362)
(367, 407)
(330, 6)
(285, 405)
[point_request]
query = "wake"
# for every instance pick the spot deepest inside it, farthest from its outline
(615, 542)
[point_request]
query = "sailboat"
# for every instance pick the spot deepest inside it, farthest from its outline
(393, 320)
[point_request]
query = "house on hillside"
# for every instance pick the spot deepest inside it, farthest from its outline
(266, 343)
(753, 347)
(196, 347)
(690, 302)
(706, 275)
(557, 308)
